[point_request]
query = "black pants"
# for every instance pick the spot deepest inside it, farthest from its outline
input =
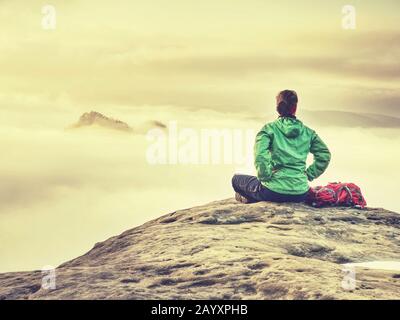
(252, 189)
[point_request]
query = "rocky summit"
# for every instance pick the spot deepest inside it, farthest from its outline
(94, 118)
(229, 250)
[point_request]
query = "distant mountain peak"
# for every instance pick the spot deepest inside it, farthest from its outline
(94, 118)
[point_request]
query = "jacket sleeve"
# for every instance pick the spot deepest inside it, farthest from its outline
(322, 157)
(262, 155)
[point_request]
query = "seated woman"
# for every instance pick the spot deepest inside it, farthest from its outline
(280, 153)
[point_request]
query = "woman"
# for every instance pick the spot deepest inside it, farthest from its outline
(280, 154)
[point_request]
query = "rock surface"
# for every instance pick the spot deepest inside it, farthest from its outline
(228, 250)
(95, 118)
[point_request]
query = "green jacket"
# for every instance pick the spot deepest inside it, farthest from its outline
(280, 155)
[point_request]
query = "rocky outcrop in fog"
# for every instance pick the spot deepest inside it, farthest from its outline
(94, 118)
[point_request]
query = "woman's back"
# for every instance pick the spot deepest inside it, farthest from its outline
(280, 155)
(281, 151)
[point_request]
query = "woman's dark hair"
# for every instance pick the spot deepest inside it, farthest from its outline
(288, 103)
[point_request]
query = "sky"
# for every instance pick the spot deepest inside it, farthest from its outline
(201, 54)
(202, 64)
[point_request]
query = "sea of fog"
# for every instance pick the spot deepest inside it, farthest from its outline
(62, 191)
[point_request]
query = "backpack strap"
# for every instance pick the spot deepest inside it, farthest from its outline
(349, 199)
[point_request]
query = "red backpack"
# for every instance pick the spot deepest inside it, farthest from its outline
(336, 194)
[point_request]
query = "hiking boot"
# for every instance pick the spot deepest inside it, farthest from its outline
(240, 198)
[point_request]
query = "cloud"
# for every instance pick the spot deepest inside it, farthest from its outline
(222, 60)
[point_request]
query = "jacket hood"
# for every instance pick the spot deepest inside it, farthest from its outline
(290, 127)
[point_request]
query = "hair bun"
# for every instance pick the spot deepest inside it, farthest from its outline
(288, 100)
